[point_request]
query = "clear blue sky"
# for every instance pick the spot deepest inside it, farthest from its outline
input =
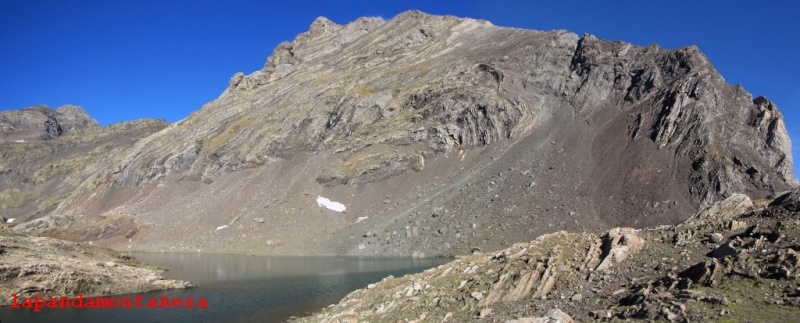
(124, 60)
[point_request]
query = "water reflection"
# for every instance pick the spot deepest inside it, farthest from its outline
(202, 267)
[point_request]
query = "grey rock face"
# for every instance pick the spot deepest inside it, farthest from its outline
(677, 100)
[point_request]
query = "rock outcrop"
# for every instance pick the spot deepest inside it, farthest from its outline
(734, 261)
(44, 267)
(470, 287)
(442, 134)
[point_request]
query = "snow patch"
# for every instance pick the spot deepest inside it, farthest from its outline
(331, 205)
(11, 220)
(361, 218)
(222, 227)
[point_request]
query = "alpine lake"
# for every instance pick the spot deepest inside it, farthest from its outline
(238, 288)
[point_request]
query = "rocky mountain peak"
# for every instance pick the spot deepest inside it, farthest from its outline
(42, 122)
(322, 26)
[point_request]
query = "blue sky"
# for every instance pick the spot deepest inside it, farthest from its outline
(124, 60)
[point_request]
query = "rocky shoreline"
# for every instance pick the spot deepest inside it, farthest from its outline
(46, 267)
(736, 260)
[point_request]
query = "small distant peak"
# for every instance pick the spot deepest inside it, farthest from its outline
(411, 14)
(690, 50)
(322, 21)
(368, 20)
(654, 46)
(693, 57)
(566, 38)
(365, 23)
(70, 108)
(476, 22)
(322, 25)
(74, 116)
(763, 101)
(43, 107)
(588, 36)
(420, 16)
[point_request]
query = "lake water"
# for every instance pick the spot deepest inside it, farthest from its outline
(240, 288)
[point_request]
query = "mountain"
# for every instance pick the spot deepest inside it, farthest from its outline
(45, 155)
(438, 135)
(42, 122)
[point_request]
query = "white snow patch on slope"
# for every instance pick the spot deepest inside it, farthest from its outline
(222, 227)
(331, 205)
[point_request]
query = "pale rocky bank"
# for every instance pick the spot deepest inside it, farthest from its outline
(46, 267)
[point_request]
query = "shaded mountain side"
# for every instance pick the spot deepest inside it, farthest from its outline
(439, 134)
(38, 173)
(735, 261)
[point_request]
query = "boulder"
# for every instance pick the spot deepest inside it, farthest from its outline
(619, 244)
